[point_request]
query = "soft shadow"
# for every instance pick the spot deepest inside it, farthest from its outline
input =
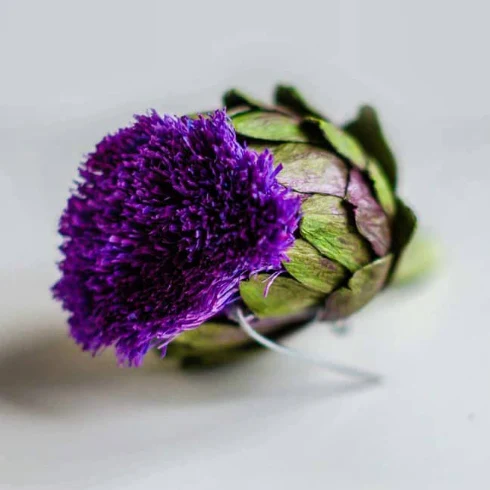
(49, 374)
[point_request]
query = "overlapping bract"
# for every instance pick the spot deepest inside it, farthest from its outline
(353, 227)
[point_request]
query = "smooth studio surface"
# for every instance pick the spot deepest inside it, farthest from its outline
(72, 72)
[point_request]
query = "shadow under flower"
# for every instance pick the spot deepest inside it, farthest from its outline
(49, 374)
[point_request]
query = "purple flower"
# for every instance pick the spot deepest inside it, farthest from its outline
(170, 214)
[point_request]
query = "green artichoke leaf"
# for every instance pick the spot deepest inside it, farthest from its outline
(311, 169)
(362, 287)
(313, 270)
(404, 226)
(210, 344)
(261, 146)
(327, 225)
(239, 109)
(270, 126)
(190, 357)
(214, 343)
(368, 131)
(285, 296)
(343, 143)
(197, 115)
(371, 220)
(236, 98)
(382, 187)
(210, 336)
(292, 99)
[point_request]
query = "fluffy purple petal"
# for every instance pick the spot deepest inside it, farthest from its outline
(169, 215)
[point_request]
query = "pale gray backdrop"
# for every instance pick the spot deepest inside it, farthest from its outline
(71, 71)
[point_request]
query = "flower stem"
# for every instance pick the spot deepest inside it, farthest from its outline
(306, 357)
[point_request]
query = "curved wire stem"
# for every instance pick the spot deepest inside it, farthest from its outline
(350, 371)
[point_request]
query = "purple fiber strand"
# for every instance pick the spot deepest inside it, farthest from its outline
(168, 216)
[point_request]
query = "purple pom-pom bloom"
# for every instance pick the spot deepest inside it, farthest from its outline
(169, 216)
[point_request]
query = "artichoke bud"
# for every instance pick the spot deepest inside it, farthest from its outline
(353, 226)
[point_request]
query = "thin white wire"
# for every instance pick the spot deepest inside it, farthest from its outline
(306, 357)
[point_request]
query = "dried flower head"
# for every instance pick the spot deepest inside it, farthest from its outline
(170, 214)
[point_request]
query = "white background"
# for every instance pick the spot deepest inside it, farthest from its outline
(72, 71)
